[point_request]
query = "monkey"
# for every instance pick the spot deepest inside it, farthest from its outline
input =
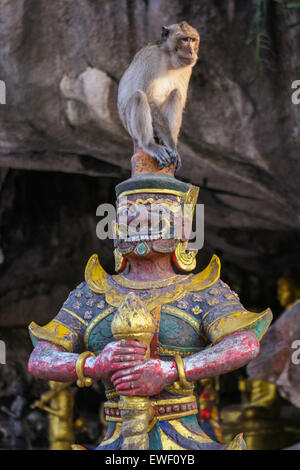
(153, 90)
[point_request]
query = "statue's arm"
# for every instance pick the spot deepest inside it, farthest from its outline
(49, 361)
(232, 352)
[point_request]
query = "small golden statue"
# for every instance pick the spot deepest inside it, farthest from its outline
(287, 291)
(59, 403)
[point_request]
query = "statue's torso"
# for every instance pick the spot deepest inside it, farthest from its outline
(178, 330)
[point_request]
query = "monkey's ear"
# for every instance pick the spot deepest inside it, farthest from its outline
(164, 32)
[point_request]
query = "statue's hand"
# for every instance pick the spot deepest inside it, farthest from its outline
(146, 379)
(118, 355)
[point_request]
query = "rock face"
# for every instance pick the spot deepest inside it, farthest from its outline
(61, 62)
(279, 357)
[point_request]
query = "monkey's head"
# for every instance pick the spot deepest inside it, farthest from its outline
(182, 42)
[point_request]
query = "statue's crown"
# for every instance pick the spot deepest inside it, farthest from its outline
(147, 178)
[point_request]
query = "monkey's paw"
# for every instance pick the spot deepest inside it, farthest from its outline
(175, 157)
(160, 153)
(178, 162)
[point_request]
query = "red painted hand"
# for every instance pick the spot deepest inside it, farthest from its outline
(146, 379)
(117, 355)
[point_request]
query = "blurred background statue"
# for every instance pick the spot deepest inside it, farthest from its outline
(59, 404)
(279, 358)
(19, 431)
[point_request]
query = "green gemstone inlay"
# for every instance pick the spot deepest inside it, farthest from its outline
(141, 248)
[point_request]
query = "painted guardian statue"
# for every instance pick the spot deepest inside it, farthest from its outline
(148, 333)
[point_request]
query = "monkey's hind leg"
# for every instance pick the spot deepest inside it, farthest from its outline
(140, 128)
(162, 131)
(172, 112)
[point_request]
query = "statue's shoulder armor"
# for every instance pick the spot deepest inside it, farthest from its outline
(219, 308)
(95, 275)
(206, 278)
(68, 327)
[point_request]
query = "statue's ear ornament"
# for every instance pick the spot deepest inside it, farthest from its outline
(182, 258)
(120, 261)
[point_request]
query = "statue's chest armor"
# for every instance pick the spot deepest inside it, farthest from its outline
(178, 329)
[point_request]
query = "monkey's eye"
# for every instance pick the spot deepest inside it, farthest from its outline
(185, 39)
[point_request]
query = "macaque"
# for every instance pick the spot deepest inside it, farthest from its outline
(153, 91)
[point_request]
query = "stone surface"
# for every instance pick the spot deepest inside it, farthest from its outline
(62, 61)
(279, 357)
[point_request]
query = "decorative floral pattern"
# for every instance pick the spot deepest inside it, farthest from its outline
(182, 304)
(197, 297)
(77, 305)
(88, 315)
(196, 310)
(213, 301)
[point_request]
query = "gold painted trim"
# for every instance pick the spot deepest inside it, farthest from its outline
(153, 190)
(180, 414)
(111, 418)
(41, 333)
(225, 317)
(111, 404)
(114, 437)
(159, 402)
(95, 275)
(173, 401)
(83, 381)
(180, 314)
(166, 417)
(163, 202)
(111, 394)
(211, 274)
(73, 314)
(225, 304)
(181, 373)
(124, 282)
(167, 443)
(97, 278)
(67, 327)
(237, 324)
(94, 322)
(185, 432)
(164, 351)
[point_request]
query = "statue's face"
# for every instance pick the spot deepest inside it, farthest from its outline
(149, 223)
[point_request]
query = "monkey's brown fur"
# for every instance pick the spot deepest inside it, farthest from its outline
(153, 91)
